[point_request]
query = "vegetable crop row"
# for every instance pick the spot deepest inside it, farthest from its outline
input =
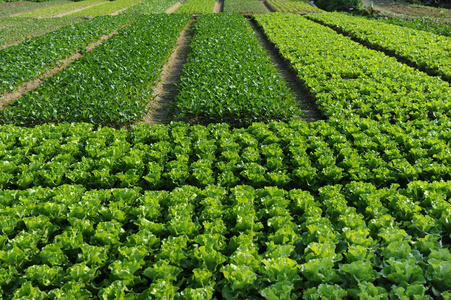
(196, 7)
(105, 8)
(228, 77)
(426, 50)
(61, 9)
(110, 85)
(243, 6)
(31, 28)
(151, 7)
(287, 155)
(349, 79)
(291, 6)
(34, 57)
(243, 243)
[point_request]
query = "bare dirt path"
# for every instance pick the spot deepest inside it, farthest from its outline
(173, 8)
(305, 99)
(76, 10)
(26, 87)
(166, 90)
(219, 6)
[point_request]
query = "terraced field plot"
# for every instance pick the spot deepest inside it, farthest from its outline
(353, 204)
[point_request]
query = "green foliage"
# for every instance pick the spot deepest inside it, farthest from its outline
(34, 57)
(147, 7)
(292, 6)
(229, 87)
(196, 7)
(427, 50)
(340, 5)
(109, 85)
(348, 79)
(54, 11)
(105, 8)
(243, 6)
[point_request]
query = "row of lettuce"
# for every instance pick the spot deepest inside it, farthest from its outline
(426, 50)
(349, 79)
(287, 155)
(110, 85)
(352, 241)
(223, 76)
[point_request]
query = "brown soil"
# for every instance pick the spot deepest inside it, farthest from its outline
(121, 10)
(173, 8)
(219, 6)
(305, 99)
(165, 90)
(77, 10)
(26, 87)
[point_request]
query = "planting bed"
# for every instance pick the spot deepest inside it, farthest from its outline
(244, 6)
(349, 79)
(105, 8)
(151, 7)
(426, 50)
(28, 28)
(34, 57)
(197, 7)
(221, 80)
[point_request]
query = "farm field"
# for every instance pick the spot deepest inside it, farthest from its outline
(18, 7)
(25, 28)
(238, 197)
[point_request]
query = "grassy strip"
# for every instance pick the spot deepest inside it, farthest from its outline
(21, 32)
(151, 7)
(426, 50)
(105, 9)
(197, 7)
(108, 86)
(349, 79)
(32, 58)
(22, 7)
(229, 78)
(243, 6)
(292, 6)
(58, 10)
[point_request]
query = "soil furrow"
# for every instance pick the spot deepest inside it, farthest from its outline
(219, 6)
(26, 87)
(268, 6)
(173, 8)
(166, 90)
(306, 100)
